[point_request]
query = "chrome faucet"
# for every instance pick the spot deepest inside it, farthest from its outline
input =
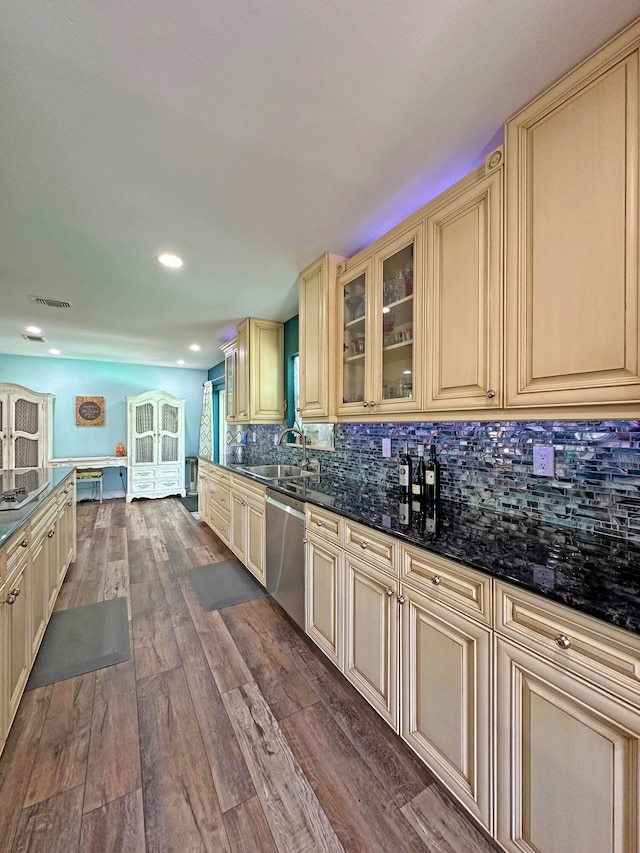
(303, 439)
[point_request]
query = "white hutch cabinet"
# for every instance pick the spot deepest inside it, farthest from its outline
(25, 427)
(155, 440)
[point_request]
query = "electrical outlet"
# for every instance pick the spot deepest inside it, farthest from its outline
(543, 461)
(386, 448)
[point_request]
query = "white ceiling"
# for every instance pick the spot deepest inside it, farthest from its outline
(248, 136)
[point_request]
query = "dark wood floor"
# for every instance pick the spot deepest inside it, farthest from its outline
(224, 731)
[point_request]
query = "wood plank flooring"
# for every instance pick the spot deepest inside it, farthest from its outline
(224, 731)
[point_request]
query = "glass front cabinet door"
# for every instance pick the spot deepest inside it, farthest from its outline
(383, 329)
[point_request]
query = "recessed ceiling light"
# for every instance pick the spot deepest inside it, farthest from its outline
(180, 361)
(168, 260)
(195, 347)
(34, 330)
(54, 351)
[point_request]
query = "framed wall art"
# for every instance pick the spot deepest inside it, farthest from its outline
(89, 411)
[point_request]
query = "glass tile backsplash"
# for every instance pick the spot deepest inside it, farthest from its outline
(596, 485)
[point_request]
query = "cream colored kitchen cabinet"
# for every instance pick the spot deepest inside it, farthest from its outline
(446, 697)
(371, 635)
(381, 316)
(204, 491)
(573, 173)
(15, 620)
(317, 295)
(568, 728)
(26, 435)
(324, 596)
(254, 373)
(213, 498)
(567, 760)
(248, 524)
(464, 229)
(66, 527)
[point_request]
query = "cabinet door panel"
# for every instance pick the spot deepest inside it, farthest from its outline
(572, 239)
(256, 543)
(464, 286)
(324, 596)
(446, 698)
(371, 640)
(39, 595)
(18, 647)
(355, 347)
(567, 761)
(238, 525)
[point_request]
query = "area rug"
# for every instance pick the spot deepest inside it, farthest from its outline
(220, 585)
(191, 502)
(80, 640)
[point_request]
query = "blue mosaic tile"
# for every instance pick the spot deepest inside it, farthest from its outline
(596, 487)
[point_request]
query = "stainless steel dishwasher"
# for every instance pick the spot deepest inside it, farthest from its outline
(285, 553)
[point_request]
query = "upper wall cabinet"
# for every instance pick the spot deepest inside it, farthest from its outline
(254, 373)
(572, 236)
(464, 228)
(25, 427)
(380, 314)
(317, 289)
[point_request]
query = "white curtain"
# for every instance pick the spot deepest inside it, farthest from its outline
(206, 422)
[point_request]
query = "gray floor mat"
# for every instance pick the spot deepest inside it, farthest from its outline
(220, 585)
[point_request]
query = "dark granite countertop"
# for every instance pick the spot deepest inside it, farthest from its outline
(597, 575)
(46, 479)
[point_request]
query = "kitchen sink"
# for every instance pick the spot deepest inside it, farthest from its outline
(275, 472)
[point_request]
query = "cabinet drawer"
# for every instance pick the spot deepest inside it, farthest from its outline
(376, 548)
(219, 499)
(140, 475)
(600, 652)
(170, 471)
(447, 582)
(323, 523)
(219, 476)
(16, 550)
(44, 521)
(219, 525)
(249, 487)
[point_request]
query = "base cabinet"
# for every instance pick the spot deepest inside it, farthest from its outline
(34, 566)
(371, 637)
(324, 597)
(248, 526)
(567, 760)
(446, 697)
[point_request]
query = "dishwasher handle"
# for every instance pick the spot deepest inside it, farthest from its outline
(271, 501)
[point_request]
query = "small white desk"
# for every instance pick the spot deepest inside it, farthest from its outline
(86, 463)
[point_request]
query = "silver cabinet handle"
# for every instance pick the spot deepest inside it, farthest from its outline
(319, 523)
(304, 541)
(364, 545)
(389, 592)
(401, 599)
(436, 580)
(372, 404)
(12, 596)
(51, 534)
(24, 543)
(491, 394)
(365, 405)
(69, 503)
(563, 641)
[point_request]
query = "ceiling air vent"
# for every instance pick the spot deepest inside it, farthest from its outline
(51, 303)
(36, 339)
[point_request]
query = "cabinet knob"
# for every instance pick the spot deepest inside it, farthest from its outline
(12, 596)
(563, 641)
(304, 541)
(401, 599)
(319, 523)
(436, 580)
(69, 503)
(364, 545)
(24, 543)
(372, 404)
(491, 394)
(51, 534)
(365, 404)
(389, 592)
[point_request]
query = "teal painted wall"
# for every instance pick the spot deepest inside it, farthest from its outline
(216, 373)
(65, 378)
(291, 348)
